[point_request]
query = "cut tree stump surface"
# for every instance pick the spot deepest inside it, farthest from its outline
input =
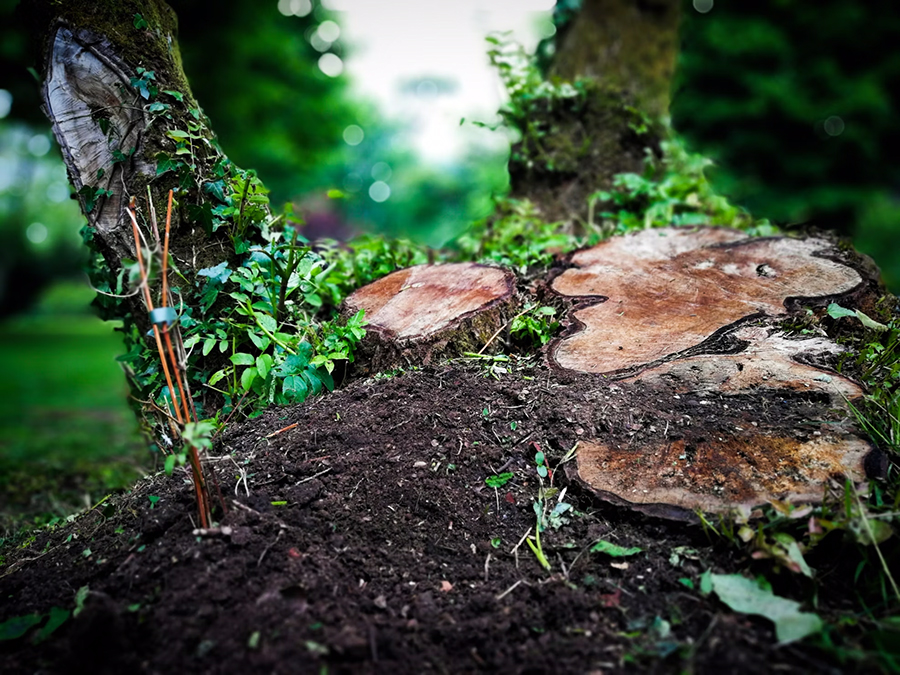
(420, 301)
(659, 292)
(449, 309)
(673, 305)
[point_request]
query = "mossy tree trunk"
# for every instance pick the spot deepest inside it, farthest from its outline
(128, 126)
(623, 53)
(630, 45)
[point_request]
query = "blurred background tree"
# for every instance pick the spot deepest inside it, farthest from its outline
(797, 103)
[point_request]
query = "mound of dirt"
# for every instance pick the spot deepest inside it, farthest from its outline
(363, 538)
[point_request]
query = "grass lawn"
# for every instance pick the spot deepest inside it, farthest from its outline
(67, 435)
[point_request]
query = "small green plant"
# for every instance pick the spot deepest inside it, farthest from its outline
(555, 517)
(535, 324)
(499, 480)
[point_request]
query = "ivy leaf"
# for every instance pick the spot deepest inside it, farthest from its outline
(140, 22)
(748, 597)
(177, 95)
(295, 389)
(165, 163)
(219, 274)
(216, 188)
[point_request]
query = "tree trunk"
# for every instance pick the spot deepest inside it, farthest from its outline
(123, 114)
(623, 54)
(630, 45)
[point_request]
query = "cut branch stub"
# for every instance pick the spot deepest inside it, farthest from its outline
(417, 313)
(94, 111)
(660, 292)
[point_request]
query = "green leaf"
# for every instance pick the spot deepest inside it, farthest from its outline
(219, 274)
(241, 359)
(295, 388)
(17, 626)
(247, 378)
(170, 465)
(216, 189)
(326, 378)
(80, 596)
(165, 163)
(870, 323)
(835, 311)
(614, 550)
(58, 616)
(178, 134)
(499, 480)
(314, 381)
(263, 365)
(140, 22)
(267, 322)
(745, 596)
(199, 434)
(177, 95)
(217, 377)
(261, 342)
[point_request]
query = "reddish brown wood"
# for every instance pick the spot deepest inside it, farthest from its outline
(419, 312)
(680, 313)
(659, 292)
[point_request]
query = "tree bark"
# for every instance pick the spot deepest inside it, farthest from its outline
(630, 45)
(113, 88)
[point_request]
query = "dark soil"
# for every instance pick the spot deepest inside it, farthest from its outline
(364, 539)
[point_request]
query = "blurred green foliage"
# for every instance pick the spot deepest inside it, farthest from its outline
(797, 104)
(67, 436)
(255, 72)
(38, 222)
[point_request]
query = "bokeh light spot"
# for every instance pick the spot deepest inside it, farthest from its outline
(329, 31)
(331, 65)
(381, 171)
(5, 103)
(379, 191)
(36, 233)
(834, 126)
(294, 7)
(58, 192)
(354, 135)
(39, 145)
(703, 6)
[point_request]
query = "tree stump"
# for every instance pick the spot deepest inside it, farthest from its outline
(689, 318)
(419, 313)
